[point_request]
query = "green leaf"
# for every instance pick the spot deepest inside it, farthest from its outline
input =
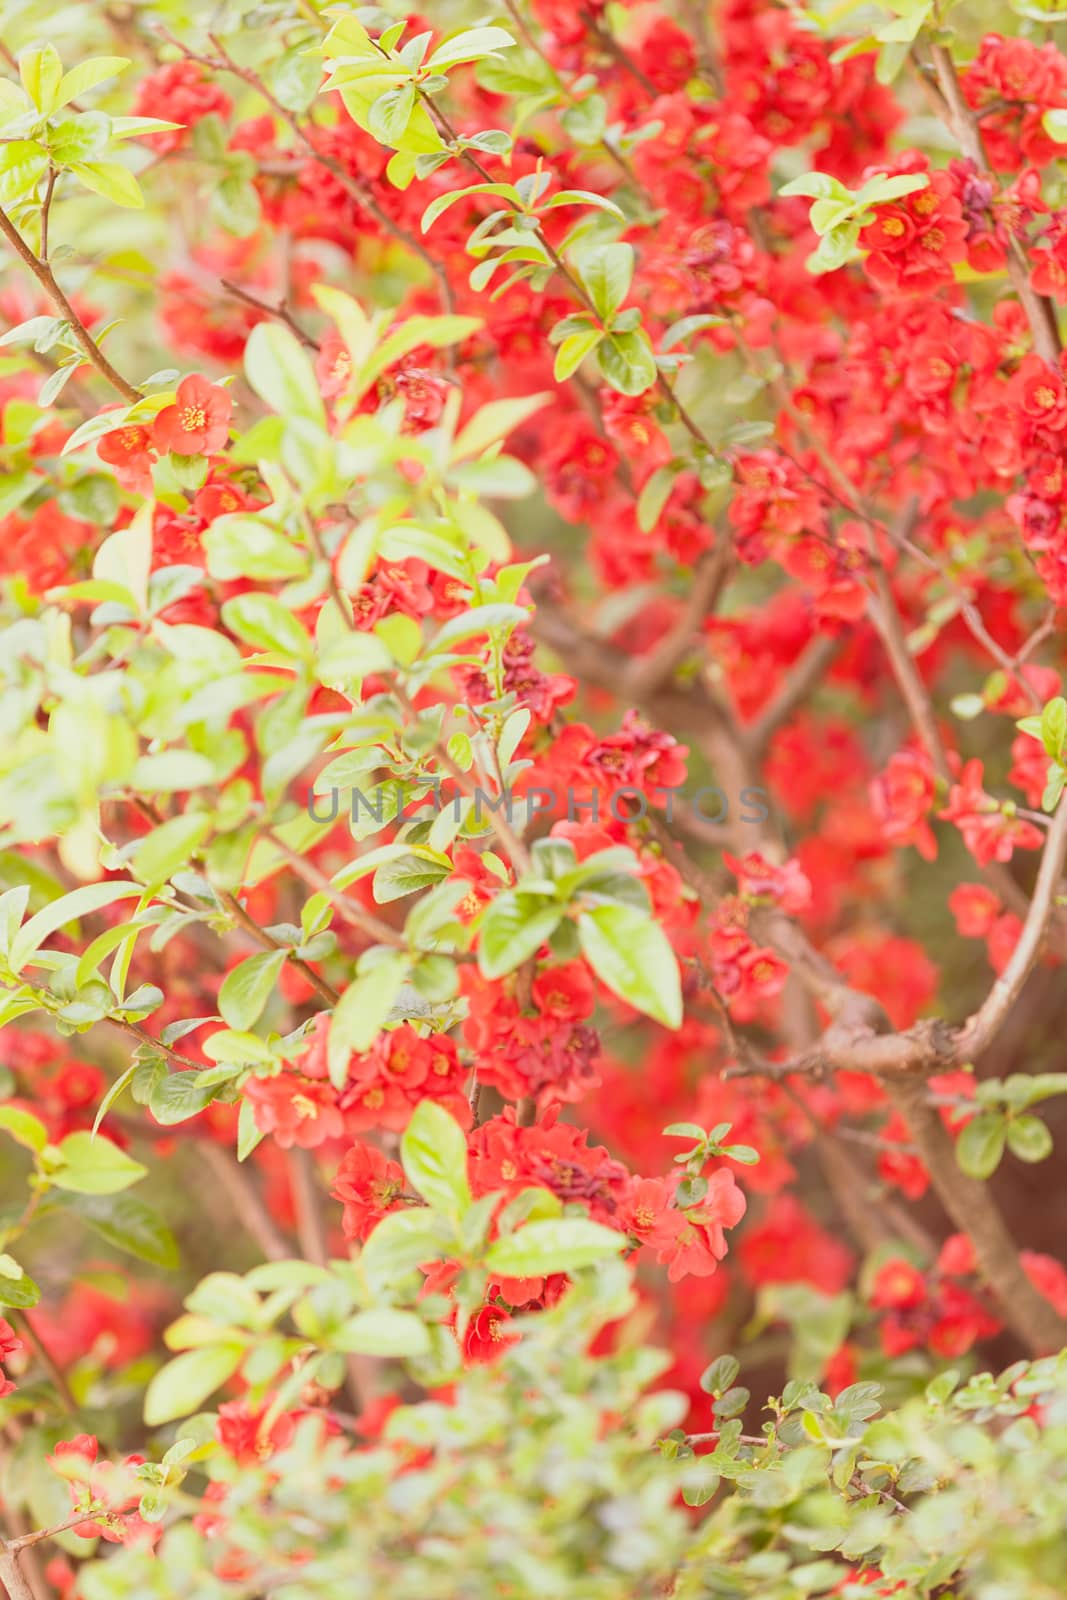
(240, 546)
(828, 214)
(471, 45)
(26, 1129)
(721, 1375)
(235, 204)
(1029, 1139)
(573, 351)
(169, 847)
(67, 909)
(514, 926)
(390, 114)
(407, 874)
(279, 370)
(981, 1145)
(178, 1096)
(248, 1134)
(87, 75)
(654, 496)
(17, 1289)
(541, 1248)
(631, 955)
(182, 1386)
(817, 186)
(22, 165)
(434, 1154)
(606, 274)
(493, 422)
(113, 1092)
(263, 621)
(441, 204)
(171, 772)
(246, 990)
(382, 1332)
(116, 183)
(627, 362)
(362, 1010)
(835, 248)
(402, 1242)
(41, 71)
(584, 197)
(586, 122)
(884, 188)
(1054, 787)
(679, 332)
(1054, 727)
(476, 621)
(93, 1165)
(130, 1225)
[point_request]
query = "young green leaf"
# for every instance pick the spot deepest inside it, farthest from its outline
(434, 1153)
(560, 1245)
(632, 956)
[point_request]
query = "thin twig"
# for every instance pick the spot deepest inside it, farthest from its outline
(47, 279)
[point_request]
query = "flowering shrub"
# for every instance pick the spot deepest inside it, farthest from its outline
(531, 841)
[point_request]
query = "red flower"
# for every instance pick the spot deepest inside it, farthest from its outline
(897, 1284)
(198, 423)
(989, 832)
(697, 1243)
(975, 908)
(564, 993)
(296, 1110)
(368, 1183)
(488, 1334)
(902, 798)
(1040, 394)
(130, 451)
(787, 885)
(179, 92)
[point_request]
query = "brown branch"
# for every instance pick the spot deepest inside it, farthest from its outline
(971, 1206)
(310, 1227)
(358, 189)
(12, 1576)
(47, 280)
(648, 672)
(981, 1029)
(324, 990)
(280, 312)
(55, 1372)
(886, 618)
(350, 910)
(801, 681)
(244, 1201)
(1039, 311)
(314, 1244)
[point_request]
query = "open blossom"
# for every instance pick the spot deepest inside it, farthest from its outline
(130, 450)
(108, 1492)
(181, 92)
(543, 1050)
(367, 1184)
(989, 831)
(296, 1110)
(488, 1335)
(938, 1309)
(10, 1345)
(915, 240)
(198, 423)
(698, 1243)
(787, 885)
(902, 798)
